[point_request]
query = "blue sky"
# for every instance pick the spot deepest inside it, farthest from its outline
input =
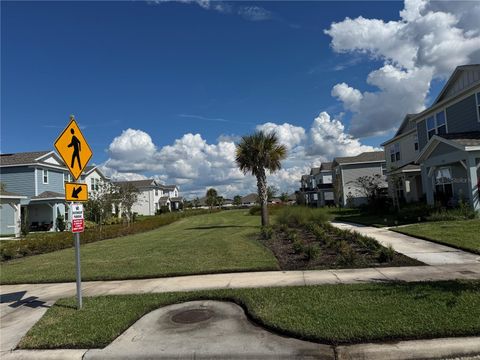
(170, 68)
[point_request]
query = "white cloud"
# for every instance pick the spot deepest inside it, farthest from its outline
(288, 134)
(254, 13)
(428, 41)
(195, 165)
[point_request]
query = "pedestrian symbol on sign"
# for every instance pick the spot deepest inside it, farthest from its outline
(77, 147)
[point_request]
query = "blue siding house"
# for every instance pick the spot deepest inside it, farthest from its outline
(447, 138)
(37, 178)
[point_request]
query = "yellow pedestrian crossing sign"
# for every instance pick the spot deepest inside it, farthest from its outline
(73, 148)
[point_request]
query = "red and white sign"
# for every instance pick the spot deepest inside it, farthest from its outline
(78, 224)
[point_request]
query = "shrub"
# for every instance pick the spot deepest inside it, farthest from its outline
(60, 222)
(386, 254)
(463, 212)
(272, 209)
(348, 256)
(297, 246)
(312, 251)
(300, 216)
(47, 242)
(266, 232)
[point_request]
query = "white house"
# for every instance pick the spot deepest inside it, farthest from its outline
(152, 196)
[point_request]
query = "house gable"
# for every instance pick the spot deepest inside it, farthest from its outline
(52, 159)
(462, 78)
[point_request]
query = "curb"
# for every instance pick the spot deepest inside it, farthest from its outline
(441, 348)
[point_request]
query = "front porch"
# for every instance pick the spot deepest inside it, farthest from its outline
(43, 210)
(451, 170)
(405, 184)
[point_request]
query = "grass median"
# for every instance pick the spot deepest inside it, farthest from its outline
(218, 242)
(462, 234)
(330, 314)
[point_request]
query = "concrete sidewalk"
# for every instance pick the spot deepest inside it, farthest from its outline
(23, 305)
(425, 251)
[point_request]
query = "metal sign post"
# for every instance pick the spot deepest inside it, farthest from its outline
(78, 273)
(75, 152)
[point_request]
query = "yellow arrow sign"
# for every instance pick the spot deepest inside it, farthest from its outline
(76, 192)
(73, 148)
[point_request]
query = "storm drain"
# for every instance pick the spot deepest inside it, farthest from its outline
(192, 316)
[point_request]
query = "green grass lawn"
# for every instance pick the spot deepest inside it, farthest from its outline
(463, 234)
(219, 242)
(329, 313)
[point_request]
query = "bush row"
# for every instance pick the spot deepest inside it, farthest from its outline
(41, 243)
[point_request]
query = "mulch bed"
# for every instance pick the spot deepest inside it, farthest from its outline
(328, 256)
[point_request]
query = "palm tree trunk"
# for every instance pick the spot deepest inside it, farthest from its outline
(262, 196)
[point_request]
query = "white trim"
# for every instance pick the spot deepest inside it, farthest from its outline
(463, 164)
(12, 196)
(472, 148)
(36, 181)
(64, 168)
(45, 155)
(51, 198)
(361, 162)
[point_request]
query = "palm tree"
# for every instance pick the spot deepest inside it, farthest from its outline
(257, 153)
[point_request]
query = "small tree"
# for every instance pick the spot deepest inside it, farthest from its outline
(284, 197)
(370, 186)
(220, 201)
(237, 200)
(271, 192)
(196, 202)
(211, 197)
(25, 223)
(127, 195)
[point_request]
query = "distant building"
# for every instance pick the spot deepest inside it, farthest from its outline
(346, 170)
(153, 196)
(316, 188)
(250, 199)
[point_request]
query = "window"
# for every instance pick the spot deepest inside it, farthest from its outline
(437, 124)
(395, 152)
(415, 142)
(443, 186)
(156, 192)
(45, 176)
(92, 184)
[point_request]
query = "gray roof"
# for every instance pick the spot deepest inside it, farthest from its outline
(326, 166)
(371, 156)
(407, 167)
(250, 198)
(314, 171)
(48, 195)
(471, 138)
(21, 158)
(138, 183)
(167, 187)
